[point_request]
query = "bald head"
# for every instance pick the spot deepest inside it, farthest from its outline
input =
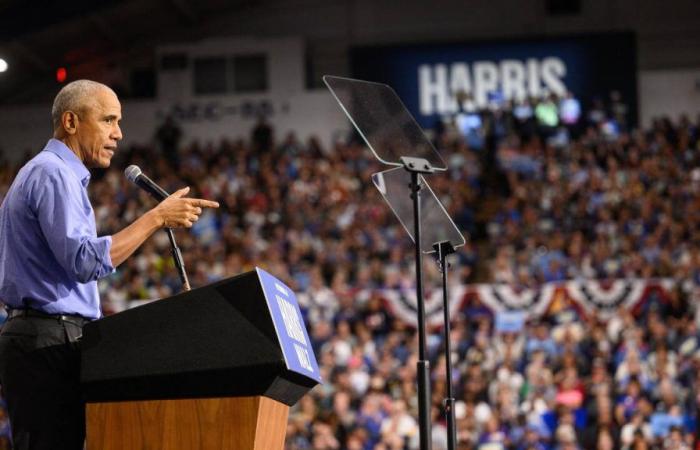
(77, 96)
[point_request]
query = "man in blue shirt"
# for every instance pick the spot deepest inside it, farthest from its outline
(51, 259)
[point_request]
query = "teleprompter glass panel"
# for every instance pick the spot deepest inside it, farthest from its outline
(436, 224)
(382, 119)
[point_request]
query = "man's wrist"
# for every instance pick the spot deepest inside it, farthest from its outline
(155, 220)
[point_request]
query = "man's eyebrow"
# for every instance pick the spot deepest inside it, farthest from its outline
(110, 116)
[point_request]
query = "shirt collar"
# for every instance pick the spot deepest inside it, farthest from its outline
(71, 159)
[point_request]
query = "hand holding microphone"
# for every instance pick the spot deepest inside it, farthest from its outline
(173, 210)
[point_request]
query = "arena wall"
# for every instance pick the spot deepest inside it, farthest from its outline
(27, 128)
(669, 92)
(287, 102)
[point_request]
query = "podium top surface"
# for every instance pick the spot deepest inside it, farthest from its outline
(383, 121)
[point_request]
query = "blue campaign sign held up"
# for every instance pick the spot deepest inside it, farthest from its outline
(289, 325)
(510, 321)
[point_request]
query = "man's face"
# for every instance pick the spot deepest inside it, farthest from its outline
(98, 131)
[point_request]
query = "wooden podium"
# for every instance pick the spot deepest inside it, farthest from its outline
(219, 423)
(214, 368)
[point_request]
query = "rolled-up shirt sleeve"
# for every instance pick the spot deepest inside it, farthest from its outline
(66, 218)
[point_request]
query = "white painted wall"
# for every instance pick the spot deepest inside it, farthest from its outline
(204, 118)
(670, 93)
(285, 63)
(24, 129)
(27, 128)
(313, 113)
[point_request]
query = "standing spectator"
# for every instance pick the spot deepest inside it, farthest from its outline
(168, 136)
(262, 136)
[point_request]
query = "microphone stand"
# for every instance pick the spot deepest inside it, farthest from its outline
(179, 262)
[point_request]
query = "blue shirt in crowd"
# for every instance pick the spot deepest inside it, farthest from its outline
(50, 255)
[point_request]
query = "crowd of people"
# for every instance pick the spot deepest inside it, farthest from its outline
(599, 207)
(540, 202)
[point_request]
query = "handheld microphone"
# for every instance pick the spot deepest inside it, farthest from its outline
(133, 173)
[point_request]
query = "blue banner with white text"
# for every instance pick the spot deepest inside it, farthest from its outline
(432, 79)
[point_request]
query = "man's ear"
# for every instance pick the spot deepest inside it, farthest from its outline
(69, 121)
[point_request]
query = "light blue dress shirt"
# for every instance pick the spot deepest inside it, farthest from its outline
(50, 255)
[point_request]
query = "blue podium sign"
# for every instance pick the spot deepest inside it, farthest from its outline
(289, 325)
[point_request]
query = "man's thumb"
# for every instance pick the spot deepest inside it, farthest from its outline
(181, 192)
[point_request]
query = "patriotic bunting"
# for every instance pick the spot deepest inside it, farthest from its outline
(592, 297)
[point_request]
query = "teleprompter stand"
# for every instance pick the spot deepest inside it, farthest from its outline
(426, 221)
(396, 140)
(416, 167)
(444, 249)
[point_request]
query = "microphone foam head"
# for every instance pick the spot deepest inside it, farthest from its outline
(132, 172)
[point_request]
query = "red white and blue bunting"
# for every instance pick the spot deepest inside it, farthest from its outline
(403, 305)
(503, 297)
(591, 297)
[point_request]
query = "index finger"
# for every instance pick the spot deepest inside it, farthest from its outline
(203, 203)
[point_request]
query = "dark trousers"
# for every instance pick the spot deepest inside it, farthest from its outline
(40, 378)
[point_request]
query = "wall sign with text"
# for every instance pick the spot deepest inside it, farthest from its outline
(431, 79)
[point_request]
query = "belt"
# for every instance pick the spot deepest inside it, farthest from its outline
(69, 318)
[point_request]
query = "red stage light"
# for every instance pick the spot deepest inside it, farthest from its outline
(61, 74)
